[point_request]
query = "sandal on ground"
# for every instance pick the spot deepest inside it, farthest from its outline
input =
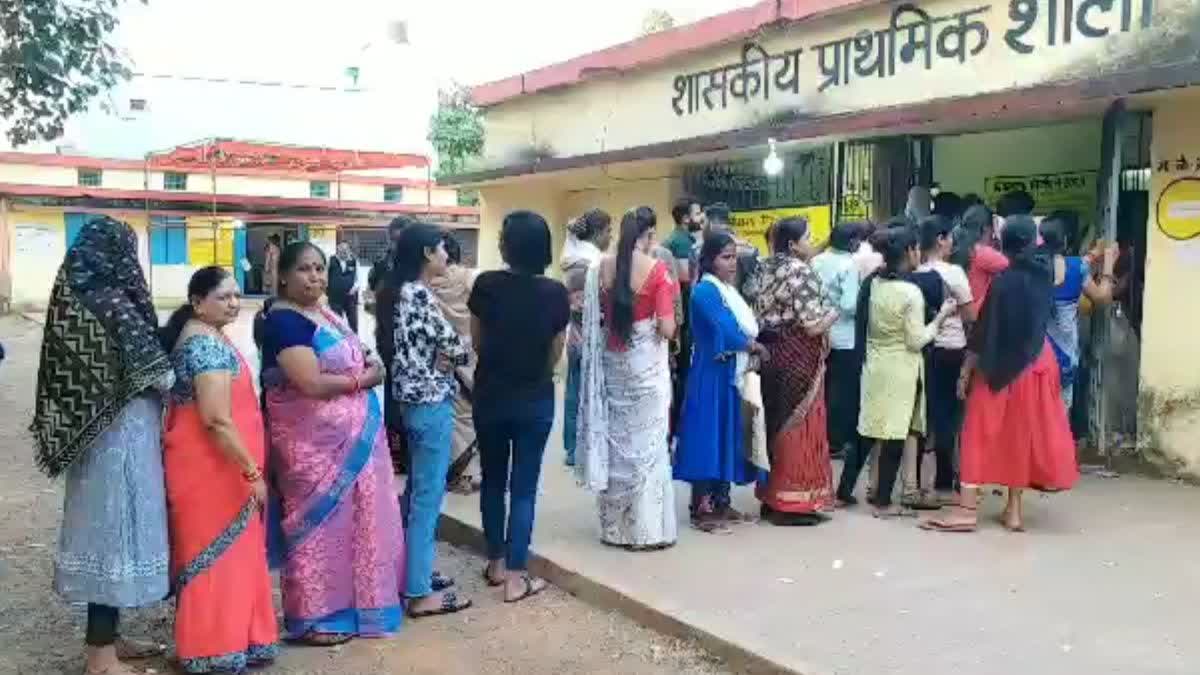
(450, 605)
(709, 523)
(440, 582)
(489, 579)
(648, 548)
(893, 511)
(918, 501)
(133, 650)
(948, 524)
(317, 639)
(734, 517)
(845, 502)
(531, 589)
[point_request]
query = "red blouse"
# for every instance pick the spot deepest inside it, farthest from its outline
(656, 297)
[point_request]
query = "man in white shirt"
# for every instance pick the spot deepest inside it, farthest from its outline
(840, 280)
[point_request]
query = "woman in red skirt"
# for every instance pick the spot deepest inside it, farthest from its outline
(1016, 431)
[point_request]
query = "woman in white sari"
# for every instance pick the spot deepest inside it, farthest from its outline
(625, 390)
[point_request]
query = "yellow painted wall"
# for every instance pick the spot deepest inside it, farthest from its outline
(962, 163)
(1169, 409)
(498, 201)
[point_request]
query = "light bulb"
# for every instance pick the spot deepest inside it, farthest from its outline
(772, 165)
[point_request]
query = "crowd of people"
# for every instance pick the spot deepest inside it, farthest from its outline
(948, 330)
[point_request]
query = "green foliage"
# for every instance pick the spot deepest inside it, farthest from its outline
(656, 21)
(55, 57)
(456, 132)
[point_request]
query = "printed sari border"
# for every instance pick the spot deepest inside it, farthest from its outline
(357, 460)
(216, 549)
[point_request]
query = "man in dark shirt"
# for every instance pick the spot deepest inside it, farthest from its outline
(719, 218)
(343, 284)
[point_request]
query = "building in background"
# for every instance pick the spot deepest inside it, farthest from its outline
(1091, 107)
(212, 202)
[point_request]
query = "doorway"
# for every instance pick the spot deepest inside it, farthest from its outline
(257, 235)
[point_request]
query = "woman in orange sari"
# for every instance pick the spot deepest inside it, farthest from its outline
(214, 451)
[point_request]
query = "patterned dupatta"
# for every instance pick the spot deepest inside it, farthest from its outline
(790, 299)
(100, 346)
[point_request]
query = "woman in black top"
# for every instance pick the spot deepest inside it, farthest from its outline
(518, 323)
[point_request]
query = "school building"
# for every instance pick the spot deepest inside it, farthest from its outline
(212, 202)
(1089, 105)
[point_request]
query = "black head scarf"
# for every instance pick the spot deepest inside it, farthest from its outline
(1011, 331)
(100, 347)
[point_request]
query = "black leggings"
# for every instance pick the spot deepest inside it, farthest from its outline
(891, 453)
(102, 623)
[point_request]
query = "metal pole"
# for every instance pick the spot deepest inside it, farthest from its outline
(1110, 190)
(149, 224)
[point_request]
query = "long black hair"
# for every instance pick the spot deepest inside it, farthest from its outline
(635, 223)
(975, 221)
(525, 242)
(896, 246)
(414, 241)
(204, 281)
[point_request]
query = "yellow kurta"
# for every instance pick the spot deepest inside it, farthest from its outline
(893, 398)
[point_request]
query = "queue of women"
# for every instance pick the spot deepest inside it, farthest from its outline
(185, 481)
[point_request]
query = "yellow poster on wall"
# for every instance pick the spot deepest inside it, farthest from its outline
(1066, 191)
(752, 225)
(203, 250)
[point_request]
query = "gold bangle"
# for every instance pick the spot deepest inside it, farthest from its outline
(252, 476)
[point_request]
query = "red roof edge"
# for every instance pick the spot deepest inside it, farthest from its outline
(658, 47)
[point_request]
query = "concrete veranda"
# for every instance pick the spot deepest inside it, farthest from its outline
(1103, 582)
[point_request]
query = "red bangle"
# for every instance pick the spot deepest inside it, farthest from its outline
(357, 383)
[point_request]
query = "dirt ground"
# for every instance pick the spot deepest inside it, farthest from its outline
(553, 633)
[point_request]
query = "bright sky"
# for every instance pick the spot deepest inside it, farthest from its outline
(314, 41)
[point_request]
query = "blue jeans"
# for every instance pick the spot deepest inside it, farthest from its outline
(518, 429)
(571, 403)
(429, 427)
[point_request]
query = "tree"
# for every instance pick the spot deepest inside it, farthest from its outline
(657, 20)
(456, 131)
(55, 57)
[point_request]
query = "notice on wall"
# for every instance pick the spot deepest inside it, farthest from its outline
(1066, 191)
(752, 225)
(39, 240)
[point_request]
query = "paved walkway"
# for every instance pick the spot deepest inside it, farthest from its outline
(1107, 580)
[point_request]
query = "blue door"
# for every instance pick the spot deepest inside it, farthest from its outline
(74, 223)
(239, 255)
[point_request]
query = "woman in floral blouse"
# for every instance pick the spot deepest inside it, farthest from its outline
(795, 316)
(427, 350)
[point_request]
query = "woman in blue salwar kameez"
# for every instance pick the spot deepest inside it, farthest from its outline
(711, 453)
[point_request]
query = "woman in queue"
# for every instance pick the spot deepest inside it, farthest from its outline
(214, 457)
(427, 350)
(98, 421)
(795, 316)
(892, 332)
(625, 406)
(344, 542)
(1016, 431)
(711, 454)
(518, 321)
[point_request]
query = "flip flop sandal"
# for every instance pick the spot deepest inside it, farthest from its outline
(711, 526)
(530, 590)
(904, 512)
(440, 582)
(940, 524)
(315, 639)
(450, 605)
(135, 650)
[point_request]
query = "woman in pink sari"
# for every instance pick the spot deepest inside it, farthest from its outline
(342, 535)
